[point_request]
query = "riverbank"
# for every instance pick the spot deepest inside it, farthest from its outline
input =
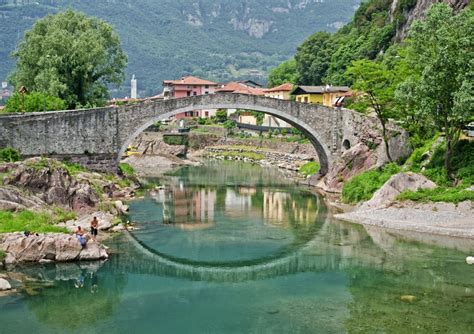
(43, 201)
(444, 219)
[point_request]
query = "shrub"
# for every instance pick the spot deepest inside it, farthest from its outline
(363, 186)
(9, 155)
(3, 255)
(34, 102)
(309, 168)
(126, 169)
(440, 194)
(73, 168)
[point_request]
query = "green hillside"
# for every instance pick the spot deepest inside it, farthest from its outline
(216, 39)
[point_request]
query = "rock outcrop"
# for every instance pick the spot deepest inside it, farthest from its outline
(12, 199)
(49, 247)
(105, 222)
(53, 184)
(355, 160)
(394, 186)
(419, 10)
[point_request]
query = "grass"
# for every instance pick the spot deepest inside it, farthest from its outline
(440, 194)
(29, 221)
(363, 186)
(126, 169)
(73, 168)
(309, 168)
(249, 155)
(3, 255)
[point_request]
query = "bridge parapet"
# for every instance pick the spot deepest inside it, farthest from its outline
(98, 137)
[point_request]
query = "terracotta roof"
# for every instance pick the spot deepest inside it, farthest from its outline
(190, 80)
(320, 89)
(240, 88)
(286, 87)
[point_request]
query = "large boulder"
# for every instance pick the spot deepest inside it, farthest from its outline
(4, 285)
(394, 186)
(105, 222)
(52, 246)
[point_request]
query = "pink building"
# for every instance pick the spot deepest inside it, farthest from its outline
(188, 86)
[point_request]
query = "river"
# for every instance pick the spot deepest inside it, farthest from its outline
(235, 248)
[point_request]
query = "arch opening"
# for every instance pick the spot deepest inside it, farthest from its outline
(346, 144)
(309, 132)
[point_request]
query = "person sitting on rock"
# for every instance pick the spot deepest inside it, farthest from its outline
(94, 228)
(81, 237)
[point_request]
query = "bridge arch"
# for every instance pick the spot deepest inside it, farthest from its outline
(282, 111)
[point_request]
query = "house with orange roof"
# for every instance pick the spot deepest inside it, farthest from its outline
(240, 88)
(246, 116)
(281, 92)
(189, 86)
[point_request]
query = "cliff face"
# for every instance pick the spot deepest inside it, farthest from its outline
(418, 10)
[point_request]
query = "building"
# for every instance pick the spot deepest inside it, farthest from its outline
(240, 88)
(189, 86)
(328, 96)
(282, 92)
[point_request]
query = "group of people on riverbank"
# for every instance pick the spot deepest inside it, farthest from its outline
(82, 236)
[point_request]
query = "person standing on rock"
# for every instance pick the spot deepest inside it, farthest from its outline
(94, 228)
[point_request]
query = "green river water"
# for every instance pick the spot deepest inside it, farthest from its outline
(234, 248)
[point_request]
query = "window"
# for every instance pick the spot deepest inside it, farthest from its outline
(207, 113)
(206, 86)
(195, 93)
(306, 99)
(188, 93)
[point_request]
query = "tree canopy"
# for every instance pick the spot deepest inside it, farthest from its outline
(70, 56)
(441, 86)
(283, 73)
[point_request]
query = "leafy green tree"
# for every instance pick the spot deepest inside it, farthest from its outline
(376, 85)
(221, 115)
(283, 73)
(441, 87)
(313, 57)
(33, 102)
(259, 116)
(229, 125)
(71, 56)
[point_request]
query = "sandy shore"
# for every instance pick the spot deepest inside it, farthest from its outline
(445, 219)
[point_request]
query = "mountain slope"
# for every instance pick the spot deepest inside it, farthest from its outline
(216, 39)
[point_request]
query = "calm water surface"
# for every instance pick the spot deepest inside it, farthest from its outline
(233, 248)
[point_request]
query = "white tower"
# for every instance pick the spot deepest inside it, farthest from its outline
(133, 93)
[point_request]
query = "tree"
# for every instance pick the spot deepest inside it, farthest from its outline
(33, 102)
(376, 83)
(70, 56)
(283, 73)
(229, 125)
(313, 57)
(221, 115)
(441, 87)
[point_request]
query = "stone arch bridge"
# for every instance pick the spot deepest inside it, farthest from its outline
(97, 138)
